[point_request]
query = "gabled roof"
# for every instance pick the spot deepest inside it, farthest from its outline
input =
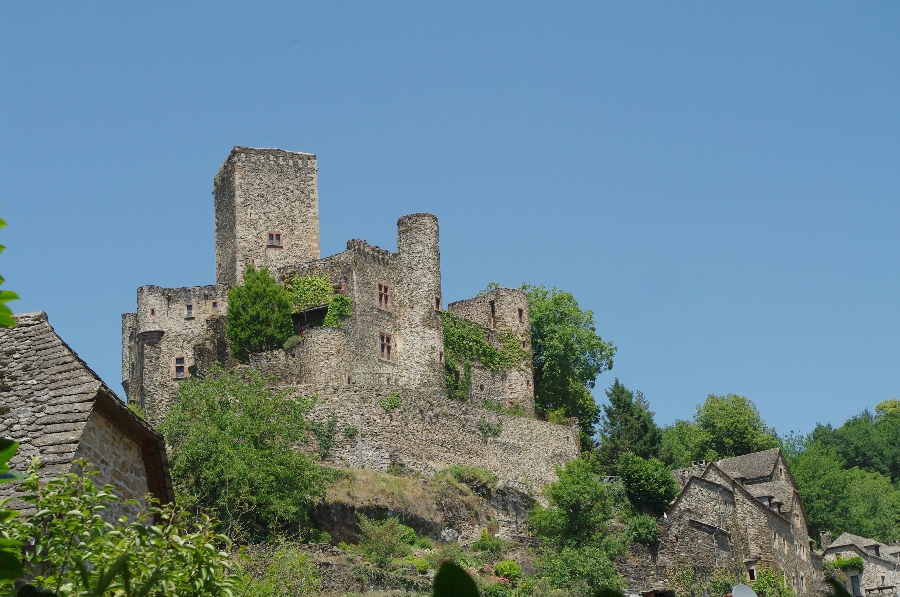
(47, 394)
(751, 466)
(862, 544)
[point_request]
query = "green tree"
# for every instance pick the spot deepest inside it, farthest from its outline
(75, 551)
(568, 356)
(259, 314)
(576, 545)
(6, 316)
(626, 426)
(870, 442)
(723, 426)
(648, 484)
(231, 454)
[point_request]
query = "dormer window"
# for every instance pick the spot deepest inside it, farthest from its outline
(189, 311)
(179, 368)
(384, 296)
(274, 239)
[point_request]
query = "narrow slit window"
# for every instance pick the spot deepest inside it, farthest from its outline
(441, 357)
(384, 296)
(751, 573)
(152, 312)
(521, 315)
(179, 367)
(387, 348)
(493, 315)
(190, 311)
(524, 344)
(215, 305)
(437, 303)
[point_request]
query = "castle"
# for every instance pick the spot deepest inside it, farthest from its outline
(266, 214)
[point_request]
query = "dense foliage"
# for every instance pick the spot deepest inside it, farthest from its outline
(77, 552)
(382, 541)
(842, 563)
(577, 547)
(868, 441)
(314, 291)
(626, 426)
(648, 483)
(722, 427)
(259, 314)
(6, 318)
(277, 569)
(231, 454)
(568, 356)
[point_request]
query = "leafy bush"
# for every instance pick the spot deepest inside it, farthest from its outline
(309, 291)
(720, 582)
(508, 569)
(470, 475)
(489, 429)
(648, 484)
(384, 540)
(842, 563)
(643, 529)
(259, 314)
(423, 543)
(77, 552)
(768, 583)
(493, 545)
(587, 568)
(391, 401)
(351, 431)
(291, 342)
(338, 307)
(231, 454)
(278, 570)
(325, 432)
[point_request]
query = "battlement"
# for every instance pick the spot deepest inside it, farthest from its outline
(260, 154)
(363, 248)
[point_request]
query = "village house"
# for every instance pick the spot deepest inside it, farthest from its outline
(737, 515)
(60, 411)
(881, 571)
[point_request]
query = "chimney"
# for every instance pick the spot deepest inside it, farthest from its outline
(826, 539)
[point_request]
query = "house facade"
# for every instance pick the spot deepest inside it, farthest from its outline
(881, 571)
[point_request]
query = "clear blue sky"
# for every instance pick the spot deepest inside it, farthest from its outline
(718, 182)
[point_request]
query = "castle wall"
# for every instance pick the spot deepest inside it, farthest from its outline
(260, 192)
(427, 434)
(119, 462)
(500, 309)
(161, 331)
(322, 357)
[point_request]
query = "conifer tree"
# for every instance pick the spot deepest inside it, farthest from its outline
(626, 426)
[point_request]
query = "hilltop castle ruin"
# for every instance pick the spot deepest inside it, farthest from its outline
(266, 213)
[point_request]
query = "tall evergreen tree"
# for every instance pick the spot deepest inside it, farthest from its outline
(626, 426)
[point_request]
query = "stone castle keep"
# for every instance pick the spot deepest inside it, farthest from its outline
(266, 214)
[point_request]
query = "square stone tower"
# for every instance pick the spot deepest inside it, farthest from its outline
(267, 211)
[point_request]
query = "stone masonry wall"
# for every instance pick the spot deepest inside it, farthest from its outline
(160, 331)
(428, 434)
(876, 573)
(262, 191)
(119, 462)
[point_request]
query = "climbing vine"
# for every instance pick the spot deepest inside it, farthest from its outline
(314, 291)
(325, 432)
(841, 563)
(465, 343)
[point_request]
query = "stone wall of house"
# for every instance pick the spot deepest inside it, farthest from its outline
(427, 434)
(263, 191)
(163, 329)
(877, 572)
(119, 461)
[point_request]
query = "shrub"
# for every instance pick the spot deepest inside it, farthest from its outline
(471, 476)
(325, 432)
(643, 529)
(768, 583)
(423, 543)
(231, 453)
(259, 314)
(648, 483)
(842, 563)
(391, 401)
(278, 570)
(508, 569)
(309, 291)
(351, 431)
(291, 342)
(489, 429)
(75, 551)
(493, 545)
(384, 540)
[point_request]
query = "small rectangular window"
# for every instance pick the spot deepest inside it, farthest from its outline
(215, 305)
(384, 296)
(437, 303)
(387, 352)
(528, 384)
(441, 357)
(152, 312)
(179, 367)
(521, 315)
(751, 573)
(190, 310)
(524, 344)
(274, 239)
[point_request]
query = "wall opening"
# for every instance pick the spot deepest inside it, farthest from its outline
(274, 240)
(521, 315)
(387, 348)
(493, 315)
(384, 296)
(189, 310)
(179, 368)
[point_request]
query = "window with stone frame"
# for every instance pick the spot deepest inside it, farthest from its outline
(274, 239)
(383, 296)
(189, 311)
(388, 349)
(180, 368)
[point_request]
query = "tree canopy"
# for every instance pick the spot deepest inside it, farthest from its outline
(259, 314)
(722, 427)
(568, 355)
(626, 425)
(231, 454)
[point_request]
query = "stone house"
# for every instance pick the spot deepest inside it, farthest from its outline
(59, 411)
(881, 572)
(267, 214)
(739, 514)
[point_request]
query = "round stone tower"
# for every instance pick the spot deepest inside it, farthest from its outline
(419, 303)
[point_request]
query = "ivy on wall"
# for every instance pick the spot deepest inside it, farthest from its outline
(465, 343)
(313, 291)
(841, 563)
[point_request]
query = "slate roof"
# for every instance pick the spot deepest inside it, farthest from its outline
(47, 394)
(750, 466)
(887, 552)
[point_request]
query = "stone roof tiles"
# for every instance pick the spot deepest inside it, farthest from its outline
(750, 466)
(863, 544)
